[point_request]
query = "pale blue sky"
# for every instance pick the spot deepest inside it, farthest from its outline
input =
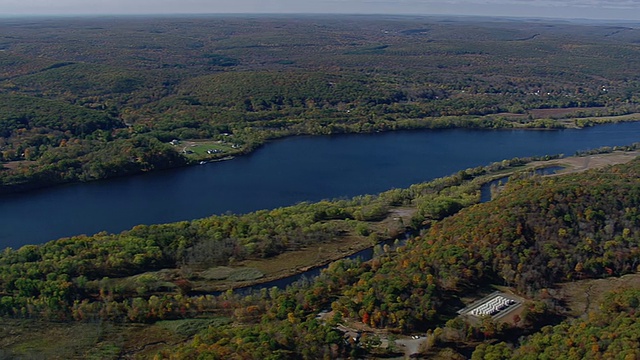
(592, 9)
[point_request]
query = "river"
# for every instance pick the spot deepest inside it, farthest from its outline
(282, 173)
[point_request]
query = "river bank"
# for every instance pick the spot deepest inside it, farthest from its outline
(285, 172)
(186, 157)
(293, 263)
(290, 266)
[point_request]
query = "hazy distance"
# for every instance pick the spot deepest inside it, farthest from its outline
(587, 9)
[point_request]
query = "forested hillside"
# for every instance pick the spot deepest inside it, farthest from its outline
(113, 92)
(540, 231)
(611, 333)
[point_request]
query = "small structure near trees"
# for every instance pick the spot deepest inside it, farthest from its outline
(495, 305)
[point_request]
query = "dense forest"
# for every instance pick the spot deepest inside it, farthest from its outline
(89, 99)
(608, 334)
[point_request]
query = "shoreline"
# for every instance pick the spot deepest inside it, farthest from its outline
(27, 187)
(569, 165)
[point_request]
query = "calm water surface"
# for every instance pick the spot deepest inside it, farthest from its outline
(279, 174)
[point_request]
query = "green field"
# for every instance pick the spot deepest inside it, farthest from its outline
(202, 149)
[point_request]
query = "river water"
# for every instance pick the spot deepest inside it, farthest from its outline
(282, 173)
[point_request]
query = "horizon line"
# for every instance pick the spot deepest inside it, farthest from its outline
(267, 14)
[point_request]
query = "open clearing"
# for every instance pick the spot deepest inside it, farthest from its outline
(293, 262)
(598, 161)
(16, 164)
(581, 163)
(560, 112)
(205, 149)
(584, 296)
(506, 313)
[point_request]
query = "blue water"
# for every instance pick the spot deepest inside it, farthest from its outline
(282, 173)
(485, 189)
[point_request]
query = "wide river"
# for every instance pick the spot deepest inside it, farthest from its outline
(281, 173)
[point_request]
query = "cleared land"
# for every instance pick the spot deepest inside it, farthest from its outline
(583, 296)
(206, 149)
(505, 314)
(581, 163)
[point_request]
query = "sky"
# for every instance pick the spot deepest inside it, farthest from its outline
(588, 9)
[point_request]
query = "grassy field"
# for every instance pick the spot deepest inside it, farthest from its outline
(31, 339)
(592, 120)
(254, 271)
(232, 274)
(207, 149)
(582, 163)
(583, 296)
